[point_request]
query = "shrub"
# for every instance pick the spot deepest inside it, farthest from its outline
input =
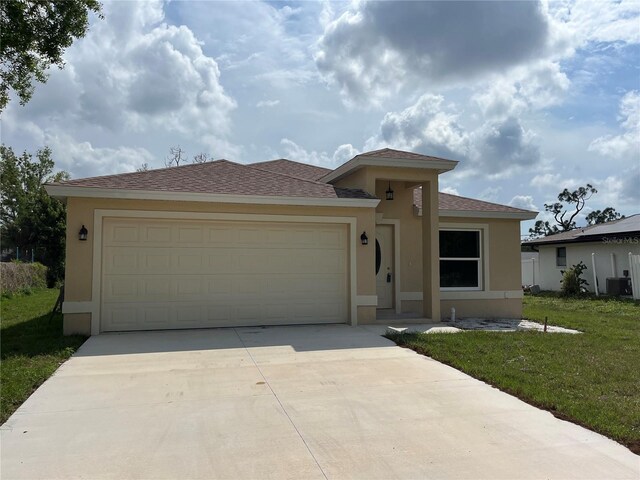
(18, 277)
(572, 282)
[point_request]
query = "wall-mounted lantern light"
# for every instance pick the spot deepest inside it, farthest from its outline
(364, 239)
(389, 192)
(82, 234)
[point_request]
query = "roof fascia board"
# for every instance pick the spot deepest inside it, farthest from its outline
(358, 162)
(488, 214)
(583, 239)
(63, 191)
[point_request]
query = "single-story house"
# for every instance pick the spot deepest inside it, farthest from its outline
(280, 242)
(605, 247)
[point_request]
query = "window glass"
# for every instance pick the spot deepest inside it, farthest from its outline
(460, 263)
(458, 273)
(459, 244)
(561, 256)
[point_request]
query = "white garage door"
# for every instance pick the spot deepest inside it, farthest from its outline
(166, 274)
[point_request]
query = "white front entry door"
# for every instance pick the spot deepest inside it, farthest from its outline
(167, 274)
(384, 265)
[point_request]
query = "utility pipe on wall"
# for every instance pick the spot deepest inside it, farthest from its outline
(595, 277)
(613, 265)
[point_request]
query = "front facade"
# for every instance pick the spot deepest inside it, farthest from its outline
(223, 244)
(604, 249)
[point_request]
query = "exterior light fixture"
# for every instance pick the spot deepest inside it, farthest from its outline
(82, 234)
(389, 192)
(364, 239)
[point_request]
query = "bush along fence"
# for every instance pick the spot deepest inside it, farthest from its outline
(16, 277)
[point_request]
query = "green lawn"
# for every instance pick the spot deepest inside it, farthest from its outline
(31, 347)
(592, 379)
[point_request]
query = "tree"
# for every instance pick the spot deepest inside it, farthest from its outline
(33, 36)
(564, 211)
(29, 217)
(201, 158)
(176, 157)
(603, 216)
(143, 167)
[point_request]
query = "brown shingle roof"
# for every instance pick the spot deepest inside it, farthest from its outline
(282, 177)
(455, 202)
(218, 177)
(294, 169)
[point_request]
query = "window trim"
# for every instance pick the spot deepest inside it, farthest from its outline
(482, 270)
(565, 257)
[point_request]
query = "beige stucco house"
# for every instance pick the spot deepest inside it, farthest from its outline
(281, 242)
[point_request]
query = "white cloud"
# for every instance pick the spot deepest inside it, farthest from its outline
(532, 87)
(627, 144)
(449, 190)
(374, 48)
(82, 159)
(133, 74)
(502, 148)
(295, 152)
(490, 194)
(602, 21)
(426, 127)
(523, 201)
(267, 103)
(545, 180)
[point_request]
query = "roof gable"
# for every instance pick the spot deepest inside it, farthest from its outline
(304, 171)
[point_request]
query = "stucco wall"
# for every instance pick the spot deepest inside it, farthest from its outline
(503, 260)
(79, 269)
(550, 274)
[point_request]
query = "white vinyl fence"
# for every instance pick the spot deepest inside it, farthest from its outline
(530, 271)
(634, 264)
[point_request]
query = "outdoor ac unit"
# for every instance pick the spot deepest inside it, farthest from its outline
(618, 286)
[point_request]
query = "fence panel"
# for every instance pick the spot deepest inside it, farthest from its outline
(634, 263)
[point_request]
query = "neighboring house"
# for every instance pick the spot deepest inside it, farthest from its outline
(281, 242)
(606, 245)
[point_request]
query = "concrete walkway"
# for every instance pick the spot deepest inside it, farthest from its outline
(286, 402)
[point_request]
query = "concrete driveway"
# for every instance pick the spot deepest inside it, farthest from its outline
(286, 402)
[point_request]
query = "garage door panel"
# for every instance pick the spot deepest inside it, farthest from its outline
(161, 274)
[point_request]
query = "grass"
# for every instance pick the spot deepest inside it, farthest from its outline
(31, 347)
(592, 379)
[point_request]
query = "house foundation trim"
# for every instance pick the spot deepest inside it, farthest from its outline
(471, 295)
(367, 300)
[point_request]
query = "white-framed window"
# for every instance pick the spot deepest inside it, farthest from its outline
(561, 256)
(460, 259)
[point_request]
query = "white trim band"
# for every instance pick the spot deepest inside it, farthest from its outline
(367, 300)
(64, 191)
(77, 307)
(471, 295)
(478, 214)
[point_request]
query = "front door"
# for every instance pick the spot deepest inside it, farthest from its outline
(384, 265)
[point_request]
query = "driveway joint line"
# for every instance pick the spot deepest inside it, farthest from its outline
(281, 405)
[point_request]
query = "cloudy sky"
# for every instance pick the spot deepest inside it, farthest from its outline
(530, 97)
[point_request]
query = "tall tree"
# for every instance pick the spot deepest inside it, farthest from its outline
(33, 36)
(29, 217)
(566, 210)
(201, 158)
(177, 156)
(609, 214)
